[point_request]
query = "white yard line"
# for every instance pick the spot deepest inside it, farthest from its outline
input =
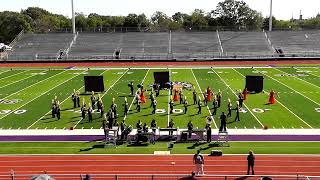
(4, 71)
(60, 104)
(21, 79)
(291, 88)
(33, 84)
(203, 97)
(134, 95)
(284, 106)
(237, 96)
(38, 96)
(105, 93)
(299, 78)
(14, 74)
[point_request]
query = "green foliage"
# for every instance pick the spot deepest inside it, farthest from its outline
(11, 23)
(228, 14)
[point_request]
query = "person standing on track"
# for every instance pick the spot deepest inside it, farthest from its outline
(250, 159)
(198, 160)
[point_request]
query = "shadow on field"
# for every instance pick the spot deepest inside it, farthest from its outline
(196, 145)
(93, 147)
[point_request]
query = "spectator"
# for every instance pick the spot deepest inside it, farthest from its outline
(87, 177)
(198, 160)
(250, 159)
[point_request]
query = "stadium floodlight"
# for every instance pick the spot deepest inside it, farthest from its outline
(73, 19)
(270, 17)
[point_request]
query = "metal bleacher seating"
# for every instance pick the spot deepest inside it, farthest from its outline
(40, 46)
(134, 45)
(245, 44)
(180, 45)
(296, 43)
(195, 45)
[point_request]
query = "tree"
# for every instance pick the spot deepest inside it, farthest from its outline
(131, 21)
(81, 22)
(11, 24)
(160, 20)
(198, 18)
(236, 14)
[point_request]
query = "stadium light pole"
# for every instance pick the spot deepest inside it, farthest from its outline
(270, 17)
(73, 19)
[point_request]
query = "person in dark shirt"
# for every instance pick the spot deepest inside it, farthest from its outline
(208, 128)
(131, 87)
(199, 106)
(250, 160)
(126, 107)
(223, 126)
(93, 100)
(198, 160)
(229, 108)
(185, 104)
(105, 129)
(194, 97)
(215, 107)
(53, 111)
(219, 97)
(171, 106)
(145, 128)
(90, 110)
(58, 111)
(237, 112)
(153, 125)
(171, 124)
(83, 111)
(139, 126)
(154, 106)
(171, 87)
(190, 128)
(74, 98)
(180, 96)
(240, 99)
(78, 98)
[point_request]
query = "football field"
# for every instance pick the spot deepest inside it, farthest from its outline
(26, 94)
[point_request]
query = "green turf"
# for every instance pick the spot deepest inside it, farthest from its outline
(296, 107)
(180, 148)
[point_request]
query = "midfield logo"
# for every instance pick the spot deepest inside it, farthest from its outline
(12, 101)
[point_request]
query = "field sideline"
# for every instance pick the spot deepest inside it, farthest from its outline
(26, 96)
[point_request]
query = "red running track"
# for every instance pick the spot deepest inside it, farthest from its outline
(152, 164)
(162, 64)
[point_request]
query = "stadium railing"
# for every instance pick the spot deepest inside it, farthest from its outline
(13, 176)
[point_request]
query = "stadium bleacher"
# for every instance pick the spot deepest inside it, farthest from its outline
(193, 45)
(245, 44)
(39, 46)
(166, 46)
(298, 43)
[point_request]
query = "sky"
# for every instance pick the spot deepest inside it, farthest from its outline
(282, 9)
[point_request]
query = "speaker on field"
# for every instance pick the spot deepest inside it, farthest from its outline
(161, 78)
(254, 84)
(93, 83)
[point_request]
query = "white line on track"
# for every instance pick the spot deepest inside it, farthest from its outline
(21, 80)
(284, 106)
(14, 74)
(39, 95)
(291, 88)
(203, 97)
(135, 94)
(60, 104)
(298, 78)
(237, 96)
